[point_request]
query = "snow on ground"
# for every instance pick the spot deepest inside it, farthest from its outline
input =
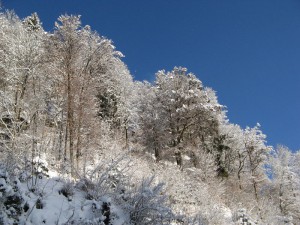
(54, 199)
(54, 208)
(49, 201)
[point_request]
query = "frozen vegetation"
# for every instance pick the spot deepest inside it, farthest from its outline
(81, 142)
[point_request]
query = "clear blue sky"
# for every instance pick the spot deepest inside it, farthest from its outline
(246, 50)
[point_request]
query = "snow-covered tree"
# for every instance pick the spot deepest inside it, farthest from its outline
(23, 90)
(286, 179)
(33, 22)
(256, 151)
(189, 112)
(152, 123)
(68, 103)
(116, 100)
(85, 65)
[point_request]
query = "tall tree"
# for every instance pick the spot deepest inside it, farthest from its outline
(86, 64)
(151, 119)
(286, 180)
(22, 92)
(183, 103)
(256, 151)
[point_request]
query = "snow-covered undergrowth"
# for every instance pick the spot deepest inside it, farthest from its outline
(52, 201)
(105, 198)
(191, 199)
(69, 113)
(110, 194)
(129, 189)
(120, 188)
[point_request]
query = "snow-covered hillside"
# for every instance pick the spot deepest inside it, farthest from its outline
(81, 142)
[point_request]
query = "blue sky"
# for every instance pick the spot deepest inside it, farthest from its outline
(248, 51)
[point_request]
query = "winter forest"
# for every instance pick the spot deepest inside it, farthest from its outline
(81, 142)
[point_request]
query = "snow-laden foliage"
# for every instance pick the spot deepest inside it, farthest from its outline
(58, 201)
(147, 204)
(286, 179)
(82, 143)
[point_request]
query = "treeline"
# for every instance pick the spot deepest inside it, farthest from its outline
(67, 95)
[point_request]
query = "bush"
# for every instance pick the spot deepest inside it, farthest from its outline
(148, 205)
(67, 190)
(11, 202)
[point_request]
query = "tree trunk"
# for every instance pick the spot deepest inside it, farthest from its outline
(255, 188)
(60, 140)
(178, 157)
(80, 118)
(157, 154)
(70, 122)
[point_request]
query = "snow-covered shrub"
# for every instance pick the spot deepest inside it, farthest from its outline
(39, 204)
(195, 220)
(11, 201)
(147, 204)
(67, 190)
(87, 186)
(241, 217)
(32, 174)
(40, 167)
(108, 177)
